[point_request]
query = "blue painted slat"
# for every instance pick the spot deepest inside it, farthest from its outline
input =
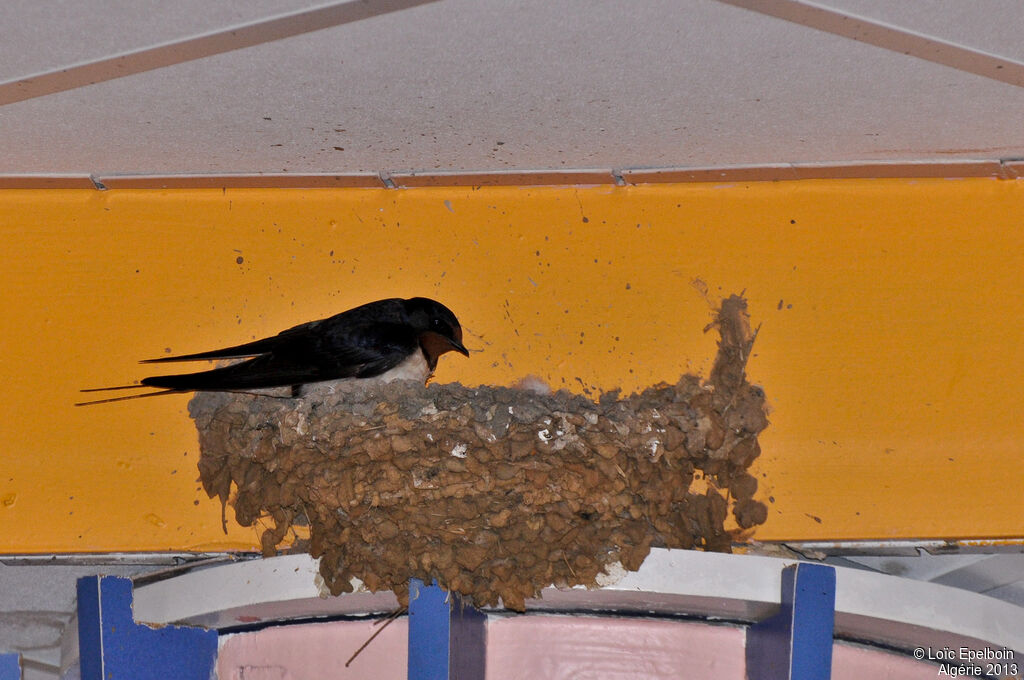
(796, 643)
(10, 667)
(447, 637)
(113, 647)
(90, 641)
(429, 632)
(814, 614)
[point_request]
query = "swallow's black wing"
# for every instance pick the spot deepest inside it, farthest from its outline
(355, 344)
(249, 349)
(361, 342)
(381, 311)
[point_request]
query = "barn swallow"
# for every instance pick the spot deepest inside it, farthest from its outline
(386, 339)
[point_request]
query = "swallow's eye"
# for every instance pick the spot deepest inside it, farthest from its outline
(437, 324)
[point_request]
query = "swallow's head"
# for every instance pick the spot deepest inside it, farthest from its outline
(439, 330)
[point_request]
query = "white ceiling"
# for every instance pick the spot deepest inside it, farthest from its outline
(502, 85)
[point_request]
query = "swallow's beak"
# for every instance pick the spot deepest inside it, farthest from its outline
(458, 347)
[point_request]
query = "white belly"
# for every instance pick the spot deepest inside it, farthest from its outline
(413, 368)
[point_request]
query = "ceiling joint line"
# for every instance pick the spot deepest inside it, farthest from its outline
(887, 36)
(197, 47)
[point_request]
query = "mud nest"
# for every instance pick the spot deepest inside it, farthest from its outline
(494, 492)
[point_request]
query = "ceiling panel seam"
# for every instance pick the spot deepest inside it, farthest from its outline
(887, 36)
(198, 46)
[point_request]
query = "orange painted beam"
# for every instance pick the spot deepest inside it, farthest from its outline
(890, 346)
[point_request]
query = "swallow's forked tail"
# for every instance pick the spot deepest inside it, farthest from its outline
(121, 387)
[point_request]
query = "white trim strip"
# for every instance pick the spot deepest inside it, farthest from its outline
(1010, 168)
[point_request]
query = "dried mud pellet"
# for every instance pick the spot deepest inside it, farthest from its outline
(743, 486)
(750, 513)
(505, 471)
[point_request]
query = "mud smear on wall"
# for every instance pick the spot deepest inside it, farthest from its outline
(493, 491)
